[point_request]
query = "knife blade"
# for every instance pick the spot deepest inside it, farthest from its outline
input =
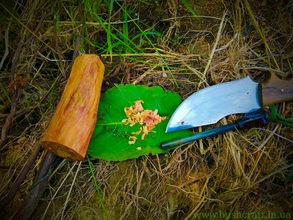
(209, 105)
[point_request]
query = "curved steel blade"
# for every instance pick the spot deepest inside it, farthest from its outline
(209, 105)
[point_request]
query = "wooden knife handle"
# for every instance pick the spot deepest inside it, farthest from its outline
(275, 90)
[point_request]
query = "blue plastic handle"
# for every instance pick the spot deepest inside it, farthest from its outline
(204, 134)
(258, 116)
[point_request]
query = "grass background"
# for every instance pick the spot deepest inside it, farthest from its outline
(181, 46)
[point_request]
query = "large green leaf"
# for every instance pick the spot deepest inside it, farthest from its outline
(110, 137)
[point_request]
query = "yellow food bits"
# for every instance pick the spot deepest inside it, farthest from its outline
(147, 118)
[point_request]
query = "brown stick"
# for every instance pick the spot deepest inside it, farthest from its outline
(31, 203)
(15, 186)
(17, 92)
(9, 118)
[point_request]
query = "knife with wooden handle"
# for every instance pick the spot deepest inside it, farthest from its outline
(209, 105)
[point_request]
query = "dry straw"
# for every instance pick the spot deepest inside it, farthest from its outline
(245, 170)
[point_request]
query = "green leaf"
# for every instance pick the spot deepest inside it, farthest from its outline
(110, 137)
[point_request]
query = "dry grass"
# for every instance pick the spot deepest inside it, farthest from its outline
(245, 171)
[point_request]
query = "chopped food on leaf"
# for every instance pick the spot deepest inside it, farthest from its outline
(132, 140)
(147, 118)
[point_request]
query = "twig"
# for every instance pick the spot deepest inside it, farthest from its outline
(21, 45)
(17, 92)
(215, 45)
(64, 179)
(144, 75)
(200, 202)
(31, 203)
(16, 58)
(33, 33)
(266, 140)
(4, 132)
(21, 112)
(4, 202)
(116, 71)
(92, 34)
(260, 32)
(6, 46)
(136, 194)
(9, 118)
(69, 193)
(271, 174)
(169, 55)
(227, 45)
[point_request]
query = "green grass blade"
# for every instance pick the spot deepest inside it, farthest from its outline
(97, 186)
(189, 8)
(125, 28)
(175, 42)
(169, 70)
(109, 34)
(146, 33)
(147, 3)
(114, 37)
(52, 92)
(258, 135)
(83, 31)
(51, 97)
(152, 64)
(122, 37)
(5, 92)
(114, 45)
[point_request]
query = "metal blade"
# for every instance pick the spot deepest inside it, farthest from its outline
(209, 105)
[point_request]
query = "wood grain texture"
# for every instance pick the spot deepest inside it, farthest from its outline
(74, 120)
(275, 90)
